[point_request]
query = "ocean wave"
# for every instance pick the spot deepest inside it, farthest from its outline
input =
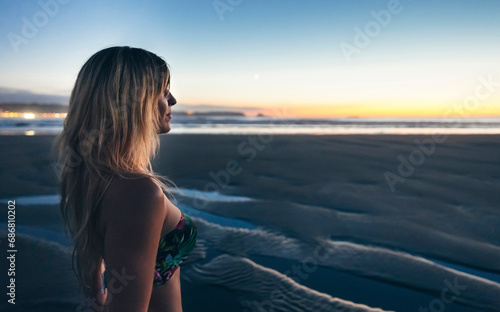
(209, 196)
(286, 125)
(34, 200)
(54, 199)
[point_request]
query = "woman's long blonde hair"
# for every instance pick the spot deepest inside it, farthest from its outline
(111, 129)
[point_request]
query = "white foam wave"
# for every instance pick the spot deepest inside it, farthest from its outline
(195, 194)
(209, 196)
(34, 200)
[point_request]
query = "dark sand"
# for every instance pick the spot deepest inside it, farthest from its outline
(447, 209)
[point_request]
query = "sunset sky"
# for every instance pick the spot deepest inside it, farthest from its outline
(325, 58)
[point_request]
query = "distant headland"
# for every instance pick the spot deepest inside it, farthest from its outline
(37, 108)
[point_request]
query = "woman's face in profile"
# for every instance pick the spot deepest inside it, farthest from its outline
(165, 103)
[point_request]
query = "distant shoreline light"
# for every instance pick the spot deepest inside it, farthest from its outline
(8, 114)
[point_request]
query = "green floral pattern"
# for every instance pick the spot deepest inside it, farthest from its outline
(173, 249)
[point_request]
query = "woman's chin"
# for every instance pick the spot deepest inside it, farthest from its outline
(164, 129)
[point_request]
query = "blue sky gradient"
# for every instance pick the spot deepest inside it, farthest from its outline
(268, 54)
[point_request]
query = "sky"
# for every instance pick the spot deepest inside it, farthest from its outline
(323, 58)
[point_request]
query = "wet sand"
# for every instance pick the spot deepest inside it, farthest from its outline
(443, 203)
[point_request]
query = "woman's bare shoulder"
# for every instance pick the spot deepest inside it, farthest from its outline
(130, 197)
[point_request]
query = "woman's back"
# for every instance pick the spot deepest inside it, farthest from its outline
(135, 214)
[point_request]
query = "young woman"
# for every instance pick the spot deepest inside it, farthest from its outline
(128, 238)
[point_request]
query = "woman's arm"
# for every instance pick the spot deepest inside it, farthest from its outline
(133, 225)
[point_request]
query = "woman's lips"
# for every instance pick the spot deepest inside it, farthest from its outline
(169, 115)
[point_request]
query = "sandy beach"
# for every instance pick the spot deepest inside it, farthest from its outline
(305, 222)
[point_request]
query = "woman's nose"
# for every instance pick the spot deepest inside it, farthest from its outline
(171, 100)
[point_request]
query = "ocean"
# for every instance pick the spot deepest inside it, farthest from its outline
(285, 125)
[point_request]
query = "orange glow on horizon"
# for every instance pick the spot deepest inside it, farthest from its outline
(376, 110)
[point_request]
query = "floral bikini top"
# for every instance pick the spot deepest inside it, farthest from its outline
(173, 249)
